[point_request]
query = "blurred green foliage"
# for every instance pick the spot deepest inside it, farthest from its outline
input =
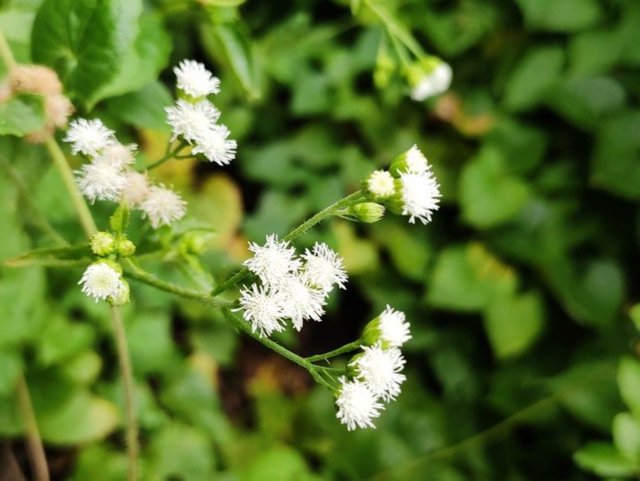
(517, 293)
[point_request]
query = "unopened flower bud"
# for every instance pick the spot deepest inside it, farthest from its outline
(126, 248)
(379, 185)
(367, 212)
(102, 244)
(120, 296)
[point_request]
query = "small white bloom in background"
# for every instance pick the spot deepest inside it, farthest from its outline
(274, 261)
(379, 369)
(191, 120)
(357, 405)
(101, 281)
(194, 79)
(263, 308)
(88, 136)
(215, 146)
(100, 181)
(420, 196)
(323, 268)
(135, 189)
(118, 155)
(380, 184)
(300, 302)
(162, 206)
(394, 330)
(433, 82)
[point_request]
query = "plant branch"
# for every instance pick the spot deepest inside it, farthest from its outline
(37, 457)
(352, 346)
(169, 155)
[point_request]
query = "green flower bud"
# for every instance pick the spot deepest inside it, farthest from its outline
(126, 248)
(368, 212)
(102, 244)
(121, 297)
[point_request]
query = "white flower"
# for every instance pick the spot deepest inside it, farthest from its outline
(88, 136)
(416, 162)
(118, 155)
(420, 196)
(273, 261)
(434, 83)
(195, 80)
(101, 281)
(379, 369)
(135, 189)
(357, 405)
(100, 181)
(300, 302)
(394, 330)
(191, 121)
(215, 146)
(162, 206)
(323, 268)
(262, 307)
(380, 184)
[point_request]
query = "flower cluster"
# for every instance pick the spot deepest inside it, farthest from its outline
(109, 174)
(291, 287)
(102, 280)
(375, 373)
(194, 119)
(407, 188)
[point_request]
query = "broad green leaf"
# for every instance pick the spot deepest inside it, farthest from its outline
(85, 41)
(359, 255)
(279, 462)
(629, 383)
(560, 15)
(626, 436)
(151, 357)
(489, 196)
(143, 109)
(60, 339)
(514, 323)
(468, 278)
(604, 460)
(594, 51)
(409, 251)
(52, 256)
(100, 463)
(277, 212)
(523, 145)
(538, 70)
(311, 93)
(616, 157)
(21, 115)
(11, 369)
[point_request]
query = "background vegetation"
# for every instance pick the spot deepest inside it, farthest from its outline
(519, 291)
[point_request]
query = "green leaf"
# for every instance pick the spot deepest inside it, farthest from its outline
(616, 158)
(468, 278)
(52, 256)
(626, 436)
(604, 460)
(560, 15)
(100, 463)
(514, 323)
(85, 41)
(488, 195)
(594, 51)
(228, 44)
(151, 357)
(279, 462)
(61, 339)
(11, 369)
(532, 76)
(629, 383)
(21, 115)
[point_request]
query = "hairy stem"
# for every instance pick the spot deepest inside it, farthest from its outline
(37, 457)
(169, 155)
(128, 384)
(352, 346)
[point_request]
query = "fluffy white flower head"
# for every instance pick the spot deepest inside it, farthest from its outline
(323, 268)
(379, 369)
(135, 189)
(101, 281)
(420, 195)
(88, 136)
(162, 206)
(272, 262)
(300, 301)
(195, 80)
(215, 146)
(416, 162)
(191, 121)
(100, 181)
(434, 83)
(380, 184)
(118, 155)
(357, 405)
(394, 330)
(262, 307)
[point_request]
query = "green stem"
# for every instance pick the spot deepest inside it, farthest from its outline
(352, 346)
(127, 380)
(396, 30)
(84, 214)
(35, 448)
(167, 157)
(5, 52)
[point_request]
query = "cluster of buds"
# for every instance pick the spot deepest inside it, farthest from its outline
(39, 80)
(408, 188)
(374, 375)
(290, 287)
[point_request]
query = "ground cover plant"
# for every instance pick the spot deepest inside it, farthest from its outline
(319, 240)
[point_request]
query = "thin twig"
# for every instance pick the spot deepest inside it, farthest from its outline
(37, 457)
